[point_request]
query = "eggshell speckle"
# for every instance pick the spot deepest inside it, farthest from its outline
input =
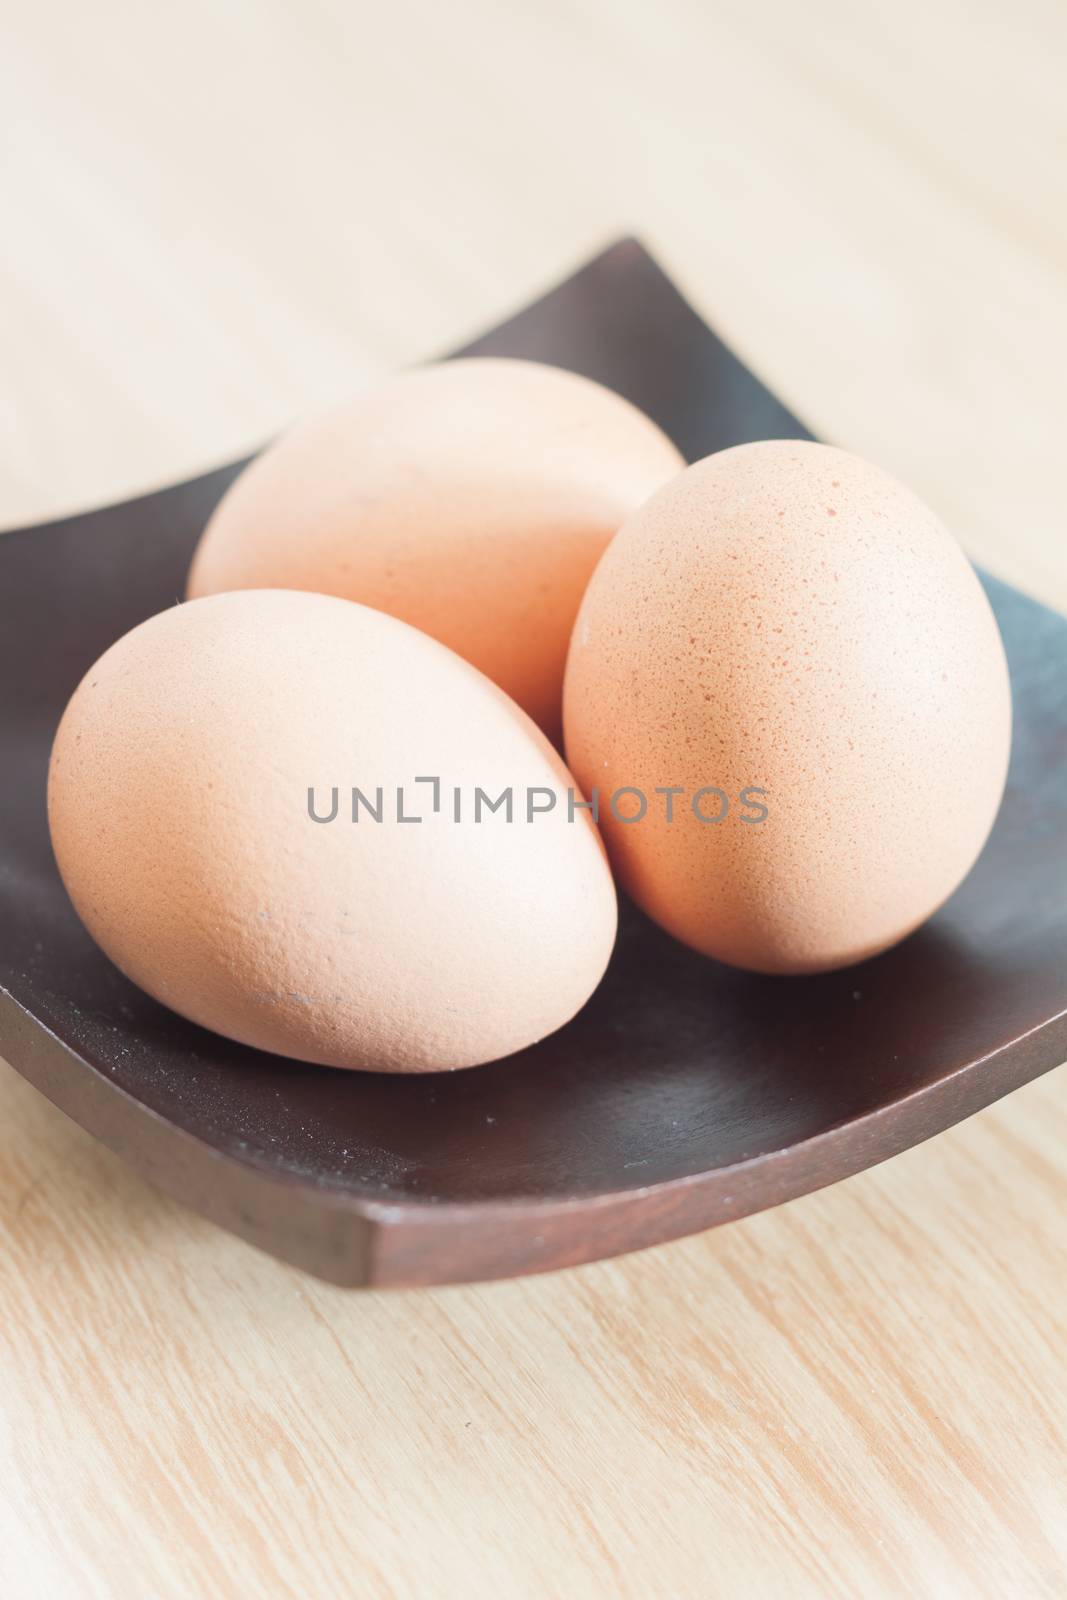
(178, 804)
(471, 499)
(784, 616)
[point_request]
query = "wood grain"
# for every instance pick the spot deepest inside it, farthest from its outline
(218, 215)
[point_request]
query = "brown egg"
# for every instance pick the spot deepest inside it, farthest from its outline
(323, 926)
(471, 499)
(791, 641)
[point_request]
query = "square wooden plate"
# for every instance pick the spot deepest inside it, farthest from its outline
(684, 1095)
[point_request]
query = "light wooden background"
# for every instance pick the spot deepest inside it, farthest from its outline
(217, 214)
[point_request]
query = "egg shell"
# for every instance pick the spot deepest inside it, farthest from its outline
(785, 616)
(471, 499)
(180, 819)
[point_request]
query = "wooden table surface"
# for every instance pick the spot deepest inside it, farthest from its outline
(218, 214)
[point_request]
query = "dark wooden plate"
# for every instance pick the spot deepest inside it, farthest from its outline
(684, 1095)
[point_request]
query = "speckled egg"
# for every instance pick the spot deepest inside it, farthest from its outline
(471, 499)
(265, 807)
(792, 643)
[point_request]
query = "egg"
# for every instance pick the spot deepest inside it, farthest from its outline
(471, 499)
(791, 667)
(283, 815)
